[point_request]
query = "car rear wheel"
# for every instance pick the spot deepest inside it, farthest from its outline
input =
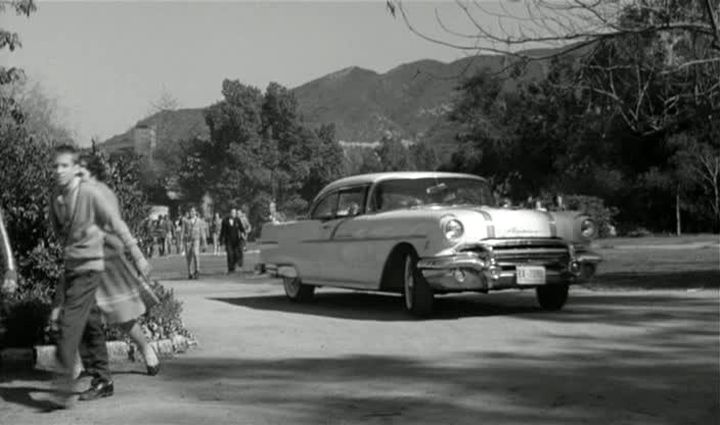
(298, 291)
(552, 297)
(418, 295)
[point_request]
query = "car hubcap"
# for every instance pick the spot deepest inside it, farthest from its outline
(409, 283)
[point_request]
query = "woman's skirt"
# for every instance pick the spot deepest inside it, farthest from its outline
(119, 294)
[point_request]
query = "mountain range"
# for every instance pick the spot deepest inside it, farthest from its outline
(410, 102)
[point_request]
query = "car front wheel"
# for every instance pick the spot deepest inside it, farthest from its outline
(552, 297)
(298, 291)
(418, 295)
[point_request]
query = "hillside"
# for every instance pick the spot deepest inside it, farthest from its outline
(410, 101)
(180, 124)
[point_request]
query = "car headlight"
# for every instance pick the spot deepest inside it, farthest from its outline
(452, 229)
(588, 228)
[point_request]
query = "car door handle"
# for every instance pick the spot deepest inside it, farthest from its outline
(326, 226)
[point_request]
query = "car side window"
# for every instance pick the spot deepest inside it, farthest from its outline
(351, 202)
(325, 208)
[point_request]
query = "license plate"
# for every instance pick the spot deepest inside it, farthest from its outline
(530, 275)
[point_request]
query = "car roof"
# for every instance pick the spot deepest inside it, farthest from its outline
(372, 178)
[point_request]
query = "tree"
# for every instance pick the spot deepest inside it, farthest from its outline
(165, 102)
(26, 184)
(393, 155)
(11, 40)
(326, 162)
(568, 24)
(643, 60)
(424, 156)
(697, 162)
(40, 112)
(260, 150)
(122, 175)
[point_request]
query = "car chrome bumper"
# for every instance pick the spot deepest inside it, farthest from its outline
(469, 271)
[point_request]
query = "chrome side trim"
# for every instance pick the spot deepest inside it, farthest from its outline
(368, 238)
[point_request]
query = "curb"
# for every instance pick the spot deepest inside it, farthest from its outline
(42, 357)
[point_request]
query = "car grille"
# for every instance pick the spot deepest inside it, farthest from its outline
(518, 251)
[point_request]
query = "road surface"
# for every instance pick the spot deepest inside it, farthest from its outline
(638, 357)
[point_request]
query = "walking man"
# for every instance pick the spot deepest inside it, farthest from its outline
(231, 234)
(78, 216)
(195, 232)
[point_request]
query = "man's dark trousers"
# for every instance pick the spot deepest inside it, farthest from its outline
(234, 256)
(81, 320)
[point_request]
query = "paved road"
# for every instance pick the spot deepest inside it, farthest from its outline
(354, 358)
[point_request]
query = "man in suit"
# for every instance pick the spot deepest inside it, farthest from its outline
(231, 235)
(195, 234)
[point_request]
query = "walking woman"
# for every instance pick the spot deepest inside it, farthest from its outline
(118, 295)
(215, 231)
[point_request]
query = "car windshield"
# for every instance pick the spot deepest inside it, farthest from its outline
(408, 193)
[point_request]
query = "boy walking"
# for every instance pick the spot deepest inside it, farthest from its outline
(78, 215)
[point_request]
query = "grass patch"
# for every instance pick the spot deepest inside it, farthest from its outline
(658, 240)
(651, 268)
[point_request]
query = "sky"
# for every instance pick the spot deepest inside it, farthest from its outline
(105, 63)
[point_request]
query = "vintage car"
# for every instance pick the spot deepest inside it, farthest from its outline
(427, 233)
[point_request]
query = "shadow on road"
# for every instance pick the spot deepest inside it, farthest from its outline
(666, 376)
(22, 395)
(631, 308)
(385, 307)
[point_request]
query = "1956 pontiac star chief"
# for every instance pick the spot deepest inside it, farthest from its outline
(427, 233)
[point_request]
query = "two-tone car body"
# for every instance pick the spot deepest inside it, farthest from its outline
(427, 233)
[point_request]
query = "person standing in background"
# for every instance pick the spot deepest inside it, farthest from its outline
(162, 235)
(247, 228)
(195, 233)
(169, 234)
(231, 236)
(274, 216)
(215, 227)
(179, 243)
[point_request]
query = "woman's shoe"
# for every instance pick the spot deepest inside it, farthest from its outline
(153, 370)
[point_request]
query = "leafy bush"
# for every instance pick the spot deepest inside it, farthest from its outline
(24, 319)
(163, 320)
(40, 269)
(638, 232)
(595, 208)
